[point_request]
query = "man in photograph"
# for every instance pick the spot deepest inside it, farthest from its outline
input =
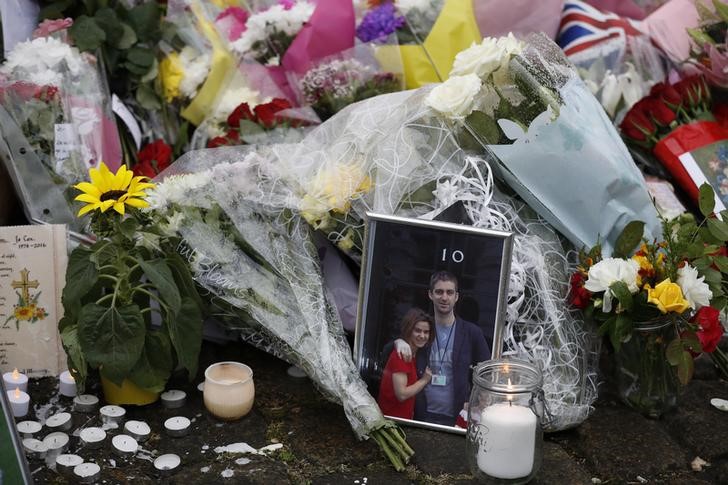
(457, 346)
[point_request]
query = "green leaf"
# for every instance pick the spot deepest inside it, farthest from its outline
(86, 33)
(248, 128)
(685, 367)
(161, 277)
(674, 351)
(140, 56)
(111, 338)
(54, 10)
(721, 9)
(69, 337)
(706, 200)
(128, 37)
(107, 20)
(484, 126)
(721, 262)
(622, 330)
(81, 276)
(719, 229)
(145, 19)
(156, 363)
(147, 98)
(128, 227)
(185, 331)
(629, 239)
(183, 278)
(621, 291)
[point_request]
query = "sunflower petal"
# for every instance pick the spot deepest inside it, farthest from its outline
(88, 188)
(97, 180)
(87, 208)
(91, 199)
(106, 176)
(104, 206)
(136, 202)
(119, 207)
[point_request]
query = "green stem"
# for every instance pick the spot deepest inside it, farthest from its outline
(111, 277)
(104, 298)
(152, 296)
(393, 458)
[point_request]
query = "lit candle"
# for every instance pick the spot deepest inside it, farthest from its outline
(139, 430)
(85, 403)
(59, 422)
(68, 384)
(112, 414)
(124, 445)
(19, 402)
(173, 399)
(87, 472)
(509, 441)
(177, 426)
(92, 437)
(34, 449)
(167, 463)
(16, 380)
(28, 428)
(65, 463)
(229, 390)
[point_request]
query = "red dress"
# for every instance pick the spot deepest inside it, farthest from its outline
(388, 402)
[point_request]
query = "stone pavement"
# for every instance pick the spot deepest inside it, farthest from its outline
(615, 445)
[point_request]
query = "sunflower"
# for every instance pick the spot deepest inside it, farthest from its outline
(23, 313)
(108, 190)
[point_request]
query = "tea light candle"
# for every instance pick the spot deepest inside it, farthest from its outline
(510, 441)
(34, 449)
(15, 380)
(56, 441)
(59, 422)
(87, 472)
(85, 403)
(177, 426)
(124, 445)
(139, 430)
(229, 390)
(65, 463)
(173, 399)
(19, 402)
(28, 428)
(167, 463)
(92, 437)
(112, 414)
(68, 384)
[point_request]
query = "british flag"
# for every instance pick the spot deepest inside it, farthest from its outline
(586, 32)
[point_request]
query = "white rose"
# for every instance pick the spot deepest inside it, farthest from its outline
(455, 98)
(608, 271)
(509, 45)
(480, 59)
(694, 289)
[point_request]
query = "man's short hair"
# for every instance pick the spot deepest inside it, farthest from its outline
(443, 276)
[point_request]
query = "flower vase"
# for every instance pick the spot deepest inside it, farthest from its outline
(646, 381)
(126, 394)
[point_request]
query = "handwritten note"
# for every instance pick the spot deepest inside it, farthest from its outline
(32, 274)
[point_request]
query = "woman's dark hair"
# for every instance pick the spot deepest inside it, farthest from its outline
(413, 316)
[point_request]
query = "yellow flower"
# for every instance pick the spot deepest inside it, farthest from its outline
(107, 190)
(346, 243)
(334, 188)
(171, 73)
(225, 3)
(23, 313)
(667, 296)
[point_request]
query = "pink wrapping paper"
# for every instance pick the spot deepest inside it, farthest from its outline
(667, 27)
(496, 18)
(624, 8)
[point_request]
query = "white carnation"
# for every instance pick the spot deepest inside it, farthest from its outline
(694, 288)
(274, 19)
(609, 271)
(407, 6)
(42, 61)
(195, 67)
(455, 98)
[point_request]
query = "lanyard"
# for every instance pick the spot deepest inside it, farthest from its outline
(441, 353)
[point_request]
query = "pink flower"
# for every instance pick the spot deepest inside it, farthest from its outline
(48, 27)
(232, 21)
(287, 4)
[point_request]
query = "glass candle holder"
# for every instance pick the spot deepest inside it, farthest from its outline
(229, 390)
(505, 422)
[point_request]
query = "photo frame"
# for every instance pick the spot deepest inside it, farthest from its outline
(401, 257)
(13, 463)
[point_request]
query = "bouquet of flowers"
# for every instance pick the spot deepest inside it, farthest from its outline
(709, 55)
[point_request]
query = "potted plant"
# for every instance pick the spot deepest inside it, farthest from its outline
(131, 309)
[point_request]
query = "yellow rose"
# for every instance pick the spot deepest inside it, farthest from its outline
(667, 296)
(346, 243)
(171, 73)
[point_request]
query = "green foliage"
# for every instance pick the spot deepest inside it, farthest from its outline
(629, 239)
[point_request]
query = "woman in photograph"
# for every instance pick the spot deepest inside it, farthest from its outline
(400, 384)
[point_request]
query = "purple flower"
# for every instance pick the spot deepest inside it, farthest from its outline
(379, 22)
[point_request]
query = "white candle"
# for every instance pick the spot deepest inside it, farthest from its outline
(139, 430)
(509, 441)
(68, 384)
(28, 428)
(177, 426)
(92, 437)
(56, 441)
(87, 472)
(167, 463)
(16, 380)
(173, 399)
(19, 402)
(124, 445)
(112, 414)
(59, 422)
(85, 403)
(65, 463)
(229, 390)
(34, 448)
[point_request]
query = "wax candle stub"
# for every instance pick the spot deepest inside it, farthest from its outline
(167, 463)
(112, 414)
(509, 441)
(139, 430)
(85, 403)
(173, 399)
(177, 426)
(67, 384)
(28, 428)
(65, 463)
(87, 472)
(15, 380)
(92, 437)
(124, 444)
(59, 422)
(34, 449)
(56, 441)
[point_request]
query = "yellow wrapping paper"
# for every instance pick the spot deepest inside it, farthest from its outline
(221, 67)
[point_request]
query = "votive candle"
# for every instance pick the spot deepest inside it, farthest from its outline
(67, 384)
(19, 402)
(16, 380)
(229, 390)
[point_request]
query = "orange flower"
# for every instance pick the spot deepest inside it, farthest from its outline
(40, 313)
(23, 313)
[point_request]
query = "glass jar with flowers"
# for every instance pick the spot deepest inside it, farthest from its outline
(659, 303)
(131, 309)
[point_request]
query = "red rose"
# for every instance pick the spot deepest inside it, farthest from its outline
(637, 124)
(266, 113)
(218, 141)
(153, 158)
(693, 90)
(710, 329)
(721, 114)
(242, 112)
(660, 112)
(579, 296)
(233, 137)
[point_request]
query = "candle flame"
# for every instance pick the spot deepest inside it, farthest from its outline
(16, 374)
(509, 388)
(70, 376)
(17, 393)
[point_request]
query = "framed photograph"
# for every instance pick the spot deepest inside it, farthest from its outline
(13, 464)
(436, 291)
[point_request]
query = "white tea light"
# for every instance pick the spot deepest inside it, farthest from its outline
(92, 437)
(68, 384)
(139, 430)
(16, 380)
(28, 428)
(124, 444)
(112, 414)
(56, 441)
(87, 472)
(34, 449)
(508, 451)
(19, 402)
(65, 463)
(85, 403)
(173, 399)
(177, 426)
(167, 463)
(59, 422)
